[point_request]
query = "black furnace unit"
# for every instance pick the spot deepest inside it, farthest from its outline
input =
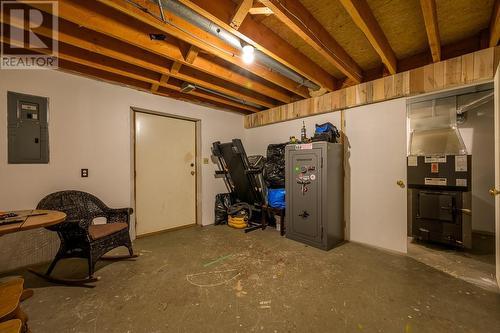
(440, 192)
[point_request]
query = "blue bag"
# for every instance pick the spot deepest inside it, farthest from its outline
(325, 128)
(276, 198)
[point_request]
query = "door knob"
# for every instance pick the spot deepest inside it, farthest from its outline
(192, 173)
(192, 164)
(494, 192)
(401, 183)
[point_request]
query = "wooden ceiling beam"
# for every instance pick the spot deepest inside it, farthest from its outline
(296, 17)
(363, 17)
(264, 39)
(495, 24)
(192, 53)
(163, 79)
(80, 70)
(69, 34)
(176, 67)
(431, 26)
(81, 57)
(260, 11)
(185, 31)
(241, 12)
(125, 32)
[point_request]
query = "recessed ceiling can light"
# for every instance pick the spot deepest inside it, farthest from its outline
(248, 54)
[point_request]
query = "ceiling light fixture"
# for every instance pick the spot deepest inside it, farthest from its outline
(248, 54)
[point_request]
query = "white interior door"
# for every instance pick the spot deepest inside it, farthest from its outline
(375, 162)
(165, 182)
(497, 171)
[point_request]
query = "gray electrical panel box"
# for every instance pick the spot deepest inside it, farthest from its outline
(314, 178)
(28, 132)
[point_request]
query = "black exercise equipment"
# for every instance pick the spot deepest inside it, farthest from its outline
(243, 178)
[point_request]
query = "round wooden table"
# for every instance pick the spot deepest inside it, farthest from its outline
(28, 219)
(41, 219)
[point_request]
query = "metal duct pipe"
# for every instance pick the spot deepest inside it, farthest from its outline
(188, 87)
(194, 18)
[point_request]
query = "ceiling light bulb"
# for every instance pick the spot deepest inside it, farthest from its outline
(248, 54)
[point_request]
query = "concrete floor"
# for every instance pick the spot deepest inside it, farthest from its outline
(216, 279)
(476, 265)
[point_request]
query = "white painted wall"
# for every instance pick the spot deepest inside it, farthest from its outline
(478, 135)
(378, 134)
(376, 207)
(257, 139)
(89, 127)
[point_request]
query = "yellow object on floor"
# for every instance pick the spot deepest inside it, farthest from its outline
(237, 222)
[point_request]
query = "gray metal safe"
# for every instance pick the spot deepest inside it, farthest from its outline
(28, 133)
(314, 180)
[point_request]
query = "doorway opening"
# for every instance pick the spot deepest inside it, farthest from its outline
(451, 168)
(166, 172)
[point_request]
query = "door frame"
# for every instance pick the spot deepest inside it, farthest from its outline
(198, 160)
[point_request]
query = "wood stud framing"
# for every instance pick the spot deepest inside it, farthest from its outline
(112, 37)
(495, 24)
(295, 16)
(128, 33)
(193, 35)
(241, 12)
(363, 17)
(101, 45)
(431, 26)
(471, 68)
(264, 39)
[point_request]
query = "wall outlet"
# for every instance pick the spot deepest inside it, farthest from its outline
(205, 160)
(85, 173)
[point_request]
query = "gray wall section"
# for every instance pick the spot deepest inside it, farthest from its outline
(478, 135)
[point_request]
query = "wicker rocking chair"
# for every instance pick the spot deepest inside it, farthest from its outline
(82, 239)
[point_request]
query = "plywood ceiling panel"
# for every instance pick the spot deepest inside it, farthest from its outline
(403, 25)
(459, 19)
(332, 15)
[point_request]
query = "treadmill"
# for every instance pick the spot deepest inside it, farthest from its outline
(242, 176)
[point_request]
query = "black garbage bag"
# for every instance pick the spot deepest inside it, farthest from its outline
(222, 202)
(257, 161)
(274, 168)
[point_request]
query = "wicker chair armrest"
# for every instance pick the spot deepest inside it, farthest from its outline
(119, 215)
(71, 225)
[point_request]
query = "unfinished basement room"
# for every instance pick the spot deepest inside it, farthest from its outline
(249, 166)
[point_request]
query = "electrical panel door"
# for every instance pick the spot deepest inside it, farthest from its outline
(305, 195)
(27, 129)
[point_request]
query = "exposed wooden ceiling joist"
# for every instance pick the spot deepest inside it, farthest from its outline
(495, 25)
(131, 34)
(431, 26)
(163, 79)
(260, 11)
(295, 16)
(241, 12)
(88, 40)
(88, 59)
(183, 30)
(97, 74)
(363, 17)
(264, 39)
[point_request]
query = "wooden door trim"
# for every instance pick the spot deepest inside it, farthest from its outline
(198, 161)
